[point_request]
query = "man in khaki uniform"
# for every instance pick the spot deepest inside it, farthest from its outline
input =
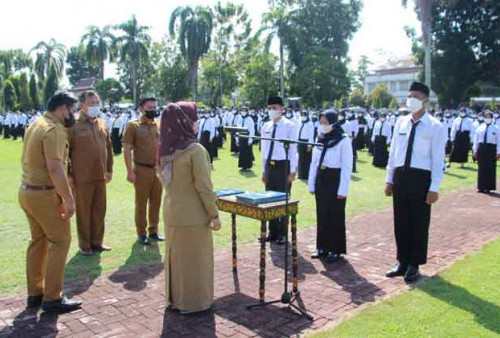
(91, 166)
(45, 196)
(141, 137)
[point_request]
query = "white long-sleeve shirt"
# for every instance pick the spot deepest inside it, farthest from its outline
(338, 157)
(353, 128)
(285, 129)
(458, 125)
(306, 132)
(493, 136)
(207, 124)
(386, 130)
(428, 148)
(247, 122)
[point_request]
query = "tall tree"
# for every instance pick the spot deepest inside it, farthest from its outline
(51, 84)
(49, 54)
(194, 35)
(110, 90)
(214, 76)
(79, 65)
(34, 94)
(99, 46)
(133, 48)
(10, 96)
(24, 95)
(361, 72)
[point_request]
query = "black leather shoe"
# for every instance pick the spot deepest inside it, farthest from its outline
(332, 257)
(412, 274)
(398, 270)
(33, 302)
(281, 240)
(101, 248)
(143, 240)
(156, 237)
(61, 305)
(269, 239)
(86, 252)
(319, 254)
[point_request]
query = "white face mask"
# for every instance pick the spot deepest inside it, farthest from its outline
(480, 118)
(326, 128)
(463, 114)
(382, 119)
(341, 118)
(94, 111)
(488, 120)
(304, 118)
(274, 114)
(414, 105)
(244, 114)
(496, 116)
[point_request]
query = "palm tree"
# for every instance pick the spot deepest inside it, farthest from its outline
(49, 54)
(133, 46)
(424, 9)
(99, 46)
(194, 34)
(277, 23)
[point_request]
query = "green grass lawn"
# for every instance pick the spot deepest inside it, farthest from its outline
(366, 194)
(463, 301)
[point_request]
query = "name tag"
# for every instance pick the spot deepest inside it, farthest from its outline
(402, 134)
(323, 167)
(273, 163)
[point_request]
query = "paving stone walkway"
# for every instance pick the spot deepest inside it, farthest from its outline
(131, 303)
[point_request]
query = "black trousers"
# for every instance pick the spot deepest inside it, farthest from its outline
(380, 153)
(305, 158)
(487, 167)
(369, 142)
(412, 214)
(276, 180)
(245, 158)
(6, 131)
(205, 142)
(461, 146)
(116, 141)
(234, 144)
(330, 212)
(361, 139)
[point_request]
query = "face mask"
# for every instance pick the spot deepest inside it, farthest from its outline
(480, 119)
(463, 114)
(151, 114)
(304, 118)
(488, 120)
(496, 116)
(94, 111)
(349, 115)
(274, 114)
(244, 114)
(474, 116)
(382, 119)
(341, 118)
(69, 122)
(325, 129)
(448, 115)
(414, 104)
(289, 115)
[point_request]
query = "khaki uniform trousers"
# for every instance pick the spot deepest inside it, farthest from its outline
(90, 201)
(147, 189)
(49, 244)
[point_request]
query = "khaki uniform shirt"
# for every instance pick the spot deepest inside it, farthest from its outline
(144, 138)
(46, 139)
(91, 156)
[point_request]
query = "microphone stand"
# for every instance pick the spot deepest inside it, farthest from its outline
(287, 298)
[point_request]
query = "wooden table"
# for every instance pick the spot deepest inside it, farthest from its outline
(264, 213)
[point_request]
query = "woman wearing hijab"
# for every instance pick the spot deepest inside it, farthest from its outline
(486, 150)
(189, 211)
(329, 178)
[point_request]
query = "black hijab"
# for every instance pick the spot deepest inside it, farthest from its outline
(333, 138)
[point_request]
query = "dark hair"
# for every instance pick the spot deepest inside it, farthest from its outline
(88, 93)
(61, 98)
(143, 101)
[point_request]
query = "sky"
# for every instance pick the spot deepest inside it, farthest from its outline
(380, 37)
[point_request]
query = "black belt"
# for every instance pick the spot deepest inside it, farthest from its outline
(277, 163)
(417, 170)
(151, 166)
(25, 186)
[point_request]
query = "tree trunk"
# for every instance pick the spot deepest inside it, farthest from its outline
(428, 62)
(101, 71)
(134, 82)
(193, 77)
(282, 73)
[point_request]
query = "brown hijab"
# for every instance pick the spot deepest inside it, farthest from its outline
(177, 132)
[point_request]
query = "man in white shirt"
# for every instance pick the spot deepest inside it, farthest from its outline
(277, 173)
(206, 133)
(306, 134)
(414, 174)
(246, 157)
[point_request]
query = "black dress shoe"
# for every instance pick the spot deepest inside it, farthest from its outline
(332, 257)
(156, 237)
(281, 240)
(398, 270)
(319, 254)
(412, 274)
(269, 239)
(86, 252)
(61, 305)
(143, 240)
(33, 302)
(101, 248)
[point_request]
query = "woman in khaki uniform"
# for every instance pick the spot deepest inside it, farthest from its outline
(190, 211)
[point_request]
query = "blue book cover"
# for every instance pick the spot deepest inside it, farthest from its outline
(228, 192)
(261, 198)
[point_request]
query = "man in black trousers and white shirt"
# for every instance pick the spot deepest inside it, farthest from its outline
(414, 174)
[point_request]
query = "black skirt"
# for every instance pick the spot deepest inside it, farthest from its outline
(330, 212)
(205, 142)
(461, 146)
(234, 145)
(245, 158)
(361, 139)
(305, 158)
(487, 167)
(219, 138)
(116, 141)
(380, 153)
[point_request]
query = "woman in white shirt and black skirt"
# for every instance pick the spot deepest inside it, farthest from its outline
(329, 178)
